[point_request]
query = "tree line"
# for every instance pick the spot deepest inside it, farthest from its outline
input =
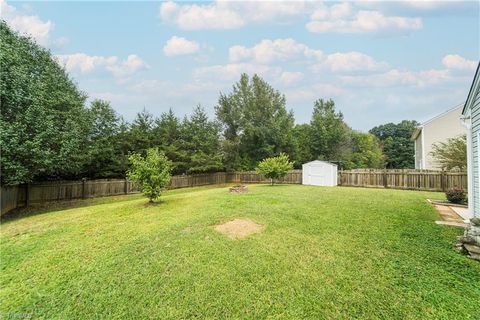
(48, 132)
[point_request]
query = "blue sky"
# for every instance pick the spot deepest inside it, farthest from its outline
(380, 61)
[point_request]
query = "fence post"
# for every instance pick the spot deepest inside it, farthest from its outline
(442, 181)
(125, 187)
(84, 180)
(27, 195)
(385, 180)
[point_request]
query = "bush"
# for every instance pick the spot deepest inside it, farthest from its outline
(275, 167)
(152, 172)
(456, 195)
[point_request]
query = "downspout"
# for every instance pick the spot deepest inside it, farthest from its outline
(466, 122)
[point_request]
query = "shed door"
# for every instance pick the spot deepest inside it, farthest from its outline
(318, 175)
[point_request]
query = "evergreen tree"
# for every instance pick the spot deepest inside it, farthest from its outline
(167, 135)
(201, 142)
(141, 135)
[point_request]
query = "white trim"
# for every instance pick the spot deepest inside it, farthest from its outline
(316, 161)
(415, 148)
(466, 122)
(423, 166)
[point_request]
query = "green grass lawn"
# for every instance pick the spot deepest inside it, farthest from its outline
(326, 253)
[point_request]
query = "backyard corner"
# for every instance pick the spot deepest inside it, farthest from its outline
(321, 253)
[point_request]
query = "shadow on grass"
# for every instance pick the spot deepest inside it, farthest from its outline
(37, 209)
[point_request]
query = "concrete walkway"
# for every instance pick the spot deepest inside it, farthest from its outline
(449, 216)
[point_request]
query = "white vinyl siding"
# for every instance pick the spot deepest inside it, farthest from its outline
(475, 118)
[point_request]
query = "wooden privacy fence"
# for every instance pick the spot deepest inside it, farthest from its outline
(403, 179)
(44, 192)
(49, 191)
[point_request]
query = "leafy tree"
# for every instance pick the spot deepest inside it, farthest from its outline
(44, 125)
(275, 167)
(395, 139)
(151, 172)
(104, 153)
(451, 155)
(329, 134)
(366, 151)
(201, 142)
(301, 138)
(255, 122)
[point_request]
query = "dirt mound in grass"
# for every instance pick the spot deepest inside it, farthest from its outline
(239, 228)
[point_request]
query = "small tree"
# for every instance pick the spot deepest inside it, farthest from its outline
(151, 172)
(275, 167)
(451, 154)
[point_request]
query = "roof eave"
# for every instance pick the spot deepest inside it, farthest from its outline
(472, 89)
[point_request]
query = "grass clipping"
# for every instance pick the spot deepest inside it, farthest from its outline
(239, 228)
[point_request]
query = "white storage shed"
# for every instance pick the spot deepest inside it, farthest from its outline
(319, 173)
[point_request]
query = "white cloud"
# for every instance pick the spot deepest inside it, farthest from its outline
(229, 14)
(268, 51)
(128, 67)
(288, 78)
(397, 77)
(455, 61)
(342, 18)
(232, 71)
(349, 61)
(180, 46)
(30, 25)
(85, 63)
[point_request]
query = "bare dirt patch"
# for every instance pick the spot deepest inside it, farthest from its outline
(239, 228)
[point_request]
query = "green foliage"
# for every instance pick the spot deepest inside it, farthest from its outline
(395, 139)
(456, 195)
(141, 132)
(201, 143)
(105, 153)
(255, 122)
(366, 151)
(44, 125)
(301, 137)
(167, 135)
(451, 155)
(151, 172)
(275, 167)
(329, 134)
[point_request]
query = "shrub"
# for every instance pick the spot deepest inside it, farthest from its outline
(456, 195)
(151, 172)
(275, 167)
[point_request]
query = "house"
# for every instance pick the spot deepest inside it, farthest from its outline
(438, 129)
(319, 173)
(470, 118)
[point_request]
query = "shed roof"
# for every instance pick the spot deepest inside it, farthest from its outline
(319, 161)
